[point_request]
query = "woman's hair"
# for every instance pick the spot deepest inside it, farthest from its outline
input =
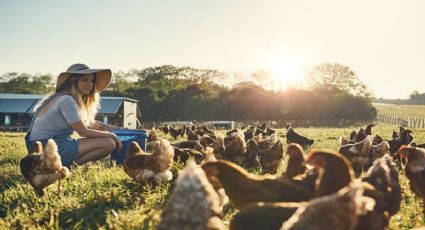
(87, 105)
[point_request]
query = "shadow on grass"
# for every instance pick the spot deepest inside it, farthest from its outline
(9, 181)
(92, 215)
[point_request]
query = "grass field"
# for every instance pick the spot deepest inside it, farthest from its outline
(101, 195)
(415, 111)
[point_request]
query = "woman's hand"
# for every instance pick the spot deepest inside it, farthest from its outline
(117, 141)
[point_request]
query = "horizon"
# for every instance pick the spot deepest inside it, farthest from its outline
(381, 41)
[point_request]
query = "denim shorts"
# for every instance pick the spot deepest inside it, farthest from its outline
(67, 148)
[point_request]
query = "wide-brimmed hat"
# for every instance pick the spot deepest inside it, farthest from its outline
(103, 76)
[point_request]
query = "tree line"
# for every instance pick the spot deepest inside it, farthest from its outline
(184, 93)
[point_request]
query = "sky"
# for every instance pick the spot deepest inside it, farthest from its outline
(382, 41)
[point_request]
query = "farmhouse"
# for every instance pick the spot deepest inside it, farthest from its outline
(17, 110)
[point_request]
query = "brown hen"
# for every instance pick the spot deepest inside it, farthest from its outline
(336, 211)
(336, 171)
(43, 167)
(155, 167)
(193, 203)
(244, 188)
(296, 162)
(358, 154)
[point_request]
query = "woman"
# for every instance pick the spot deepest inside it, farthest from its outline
(73, 108)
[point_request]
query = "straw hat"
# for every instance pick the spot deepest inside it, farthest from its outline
(103, 76)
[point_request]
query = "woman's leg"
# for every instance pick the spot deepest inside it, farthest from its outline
(92, 149)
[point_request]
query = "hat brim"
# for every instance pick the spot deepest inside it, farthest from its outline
(103, 77)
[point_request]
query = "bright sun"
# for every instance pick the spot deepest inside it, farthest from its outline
(285, 72)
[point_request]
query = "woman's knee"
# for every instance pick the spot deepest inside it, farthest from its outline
(110, 144)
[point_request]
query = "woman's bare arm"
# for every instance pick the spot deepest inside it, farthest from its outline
(83, 131)
(103, 127)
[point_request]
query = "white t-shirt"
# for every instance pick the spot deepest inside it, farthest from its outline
(56, 120)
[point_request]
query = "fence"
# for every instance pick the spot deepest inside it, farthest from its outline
(404, 121)
(281, 123)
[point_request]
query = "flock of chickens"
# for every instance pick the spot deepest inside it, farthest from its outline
(355, 188)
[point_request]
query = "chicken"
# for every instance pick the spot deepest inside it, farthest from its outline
(228, 133)
(152, 135)
(219, 147)
(268, 142)
(193, 203)
(152, 145)
(262, 126)
(165, 129)
(191, 135)
(144, 167)
(378, 151)
(208, 131)
(260, 131)
(413, 144)
(269, 159)
(361, 135)
(385, 190)
(270, 131)
(336, 171)
(251, 150)
(358, 154)
(175, 133)
(377, 140)
(244, 188)
(261, 215)
(206, 141)
(235, 150)
(415, 170)
(249, 134)
(336, 211)
(184, 154)
(192, 144)
(404, 139)
(296, 163)
(368, 130)
(43, 167)
(293, 137)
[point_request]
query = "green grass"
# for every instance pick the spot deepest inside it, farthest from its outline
(101, 195)
(415, 111)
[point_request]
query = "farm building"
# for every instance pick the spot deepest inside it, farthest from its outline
(16, 111)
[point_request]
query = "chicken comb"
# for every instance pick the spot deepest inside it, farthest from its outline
(402, 148)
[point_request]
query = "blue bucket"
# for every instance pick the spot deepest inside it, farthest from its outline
(127, 136)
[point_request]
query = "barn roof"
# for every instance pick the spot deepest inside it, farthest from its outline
(24, 103)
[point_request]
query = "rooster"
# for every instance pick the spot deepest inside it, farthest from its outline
(336, 211)
(43, 167)
(296, 163)
(293, 137)
(144, 167)
(193, 203)
(404, 139)
(244, 188)
(415, 170)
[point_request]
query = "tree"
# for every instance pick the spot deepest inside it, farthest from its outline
(334, 75)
